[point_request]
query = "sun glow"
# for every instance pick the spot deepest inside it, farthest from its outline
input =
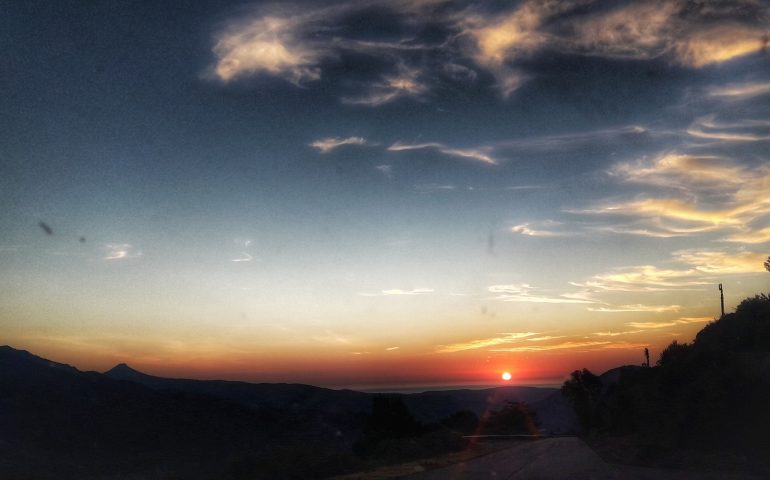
(506, 376)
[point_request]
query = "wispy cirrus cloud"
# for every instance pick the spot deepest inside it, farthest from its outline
(526, 293)
(385, 169)
(637, 308)
(681, 321)
(748, 131)
(484, 343)
(670, 28)
(538, 229)
(399, 292)
(740, 91)
(480, 154)
(300, 42)
(120, 251)
(405, 82)
(273, 43)
(433, 187)
(326, 145)
(581, 345)
(688, 195)
(243, 257)
(761, 235)
(644, 278)
(722, 262)
(701, 267)
(616, 334)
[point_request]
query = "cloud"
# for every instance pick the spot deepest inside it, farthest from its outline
(272, 44)
(326, 145)
(501, 42)
(300, 42)
(405, 83)
(399, 292)
(390, 349)
(481, 154)
(645, 326)
(680, 171)
(740, 91)
(707, 128)
(703, 267)
(695, 320)
(644, 278)
(690, 195)
(498, 39)
(559, 346)
(616, 334)
(245, 257)
(674, 29)
(640, 30)
(719, 43)
(544, 338)
(120, 251)
(385, 169)
(637, 308)
(432, 187)
(570, 141)
(624, 346)
(483, 343)
(522, 293)
(532, 230)
(332, 338)
(761, 235)
(714, 262)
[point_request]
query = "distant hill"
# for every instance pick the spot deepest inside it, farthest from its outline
(430, 406)
(284, 396)
(59, 422)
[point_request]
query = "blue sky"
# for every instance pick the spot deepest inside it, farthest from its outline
(330, 192)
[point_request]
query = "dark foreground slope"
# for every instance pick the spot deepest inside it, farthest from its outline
(59, 422)
(705, 404)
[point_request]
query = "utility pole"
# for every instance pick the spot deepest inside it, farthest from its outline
(722, 299)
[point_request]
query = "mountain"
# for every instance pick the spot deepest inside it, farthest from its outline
(426, 407)
(287, 396)
(59, 422)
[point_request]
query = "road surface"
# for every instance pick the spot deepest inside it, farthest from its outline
(557, 458)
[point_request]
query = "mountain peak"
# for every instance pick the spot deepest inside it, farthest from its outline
(122, 371)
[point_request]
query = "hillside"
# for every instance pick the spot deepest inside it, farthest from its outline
(59, 422)
(704, 404)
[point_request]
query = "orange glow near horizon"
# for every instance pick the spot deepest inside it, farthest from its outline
(343, 369)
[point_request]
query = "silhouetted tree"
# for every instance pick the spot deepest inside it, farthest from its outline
(767, 264)
(675, 353)
(390, 418)
(583, 389)
(513, 418)
(464, 421)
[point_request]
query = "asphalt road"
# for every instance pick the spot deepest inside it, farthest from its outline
(557, 458)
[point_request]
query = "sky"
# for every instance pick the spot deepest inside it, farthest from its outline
(379, 192)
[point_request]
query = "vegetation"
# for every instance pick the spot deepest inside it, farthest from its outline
(392, 434)
(705, 399)
(515, 418)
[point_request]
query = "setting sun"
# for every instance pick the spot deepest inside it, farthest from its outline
(506, 376)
